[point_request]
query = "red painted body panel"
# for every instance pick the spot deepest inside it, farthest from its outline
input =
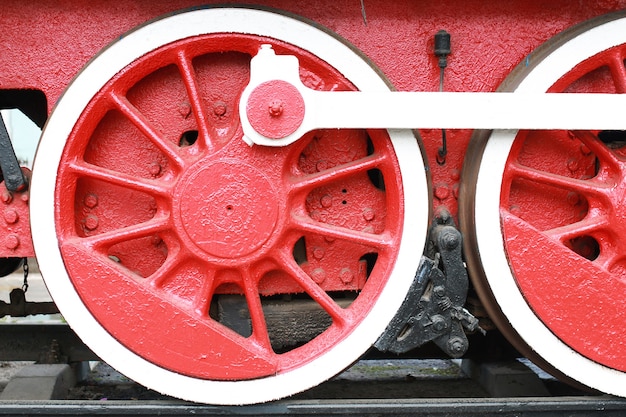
(45, 44)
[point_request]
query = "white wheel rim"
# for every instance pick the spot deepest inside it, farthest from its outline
(102, 68)
(490, 240)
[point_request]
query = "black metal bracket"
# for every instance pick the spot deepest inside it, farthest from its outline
(433, 309)
(19, 307)
(14, 178)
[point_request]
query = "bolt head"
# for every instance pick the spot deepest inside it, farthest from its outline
(439, 291)
(457, 346)
(276, 107)
(439, 322)
(12, 241)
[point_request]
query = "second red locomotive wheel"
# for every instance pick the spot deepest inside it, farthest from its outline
(544, 224)
(149, 212)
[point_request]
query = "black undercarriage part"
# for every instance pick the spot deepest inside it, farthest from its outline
(433, 309)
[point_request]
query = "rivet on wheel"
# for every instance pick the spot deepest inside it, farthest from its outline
(91, 200)
(318, 253)
(573, 198)
(184, 110)
(155, 169)
(91, 222)
(11, 216)
(326, 201)
(219, 108)
(368, 214)
(318, 275)
(572, 165)
(584, 149)
(321, 166)
(346, 275)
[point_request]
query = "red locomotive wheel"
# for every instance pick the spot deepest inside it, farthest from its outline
(163, 215)
(551, 249)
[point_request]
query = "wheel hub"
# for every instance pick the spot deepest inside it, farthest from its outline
(228, 209)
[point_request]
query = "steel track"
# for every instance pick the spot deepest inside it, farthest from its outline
(526, 407)
(350, 397)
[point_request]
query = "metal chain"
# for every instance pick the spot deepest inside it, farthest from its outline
(25, 285)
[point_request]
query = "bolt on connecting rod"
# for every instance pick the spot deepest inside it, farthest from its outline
(275, 81)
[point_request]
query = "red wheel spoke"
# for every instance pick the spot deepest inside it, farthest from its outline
(202, 301)
(339, 172)
(154, 188)
(137, 119)
(307, 225)
(590, 225)
(585, 187)
(339, 315)
(108, 239)
(608, 259)
(161, 275)
(259, 326)
(618, 71)
(191, 85)
(602, 152)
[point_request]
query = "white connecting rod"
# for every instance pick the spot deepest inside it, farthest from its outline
(414, 110)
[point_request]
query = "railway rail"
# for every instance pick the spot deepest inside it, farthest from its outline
(371, 387)
(501, 407)
(443, 393)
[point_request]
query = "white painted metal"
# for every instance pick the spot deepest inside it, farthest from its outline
(102, 68)
(412, 110)
(487, 218)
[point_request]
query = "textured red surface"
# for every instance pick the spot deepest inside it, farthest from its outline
(161, 206)
(46, 43)
(275, 109)
(563, 218)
